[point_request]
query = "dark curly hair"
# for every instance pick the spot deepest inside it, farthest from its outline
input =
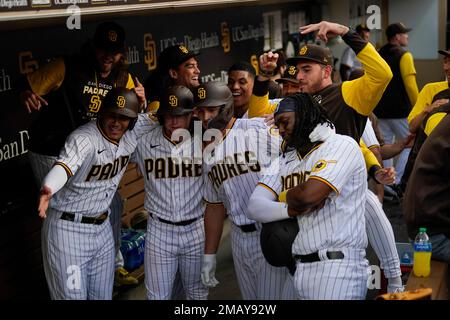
(308, 114)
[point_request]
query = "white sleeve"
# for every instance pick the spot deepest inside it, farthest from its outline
(55, 179)
(369, 137)
(263, 206)
(76, 150)
(210, 194)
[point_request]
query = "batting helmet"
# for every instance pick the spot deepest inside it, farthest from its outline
(215, 94)
(276, 242)
(176, 100)
(122, 101)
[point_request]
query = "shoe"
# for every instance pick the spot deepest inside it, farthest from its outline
(123, 277)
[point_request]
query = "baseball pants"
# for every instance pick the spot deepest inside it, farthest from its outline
(78, 258)
(257, 279)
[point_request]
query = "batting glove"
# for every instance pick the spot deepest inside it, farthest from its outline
(209, 271)
(321, 132)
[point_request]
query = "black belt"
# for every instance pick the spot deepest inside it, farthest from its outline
(179, 223)
(248, 227)
(90, 220)
(314, 257)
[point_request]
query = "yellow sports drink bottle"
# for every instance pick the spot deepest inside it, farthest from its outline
(422, 254)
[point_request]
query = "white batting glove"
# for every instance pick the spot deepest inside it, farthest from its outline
(209, 271)
(321, 132)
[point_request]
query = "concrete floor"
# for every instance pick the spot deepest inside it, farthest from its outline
(228, 288)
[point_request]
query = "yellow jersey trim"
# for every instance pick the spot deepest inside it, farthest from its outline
(326, 182)
(66, 168)
(268, 188)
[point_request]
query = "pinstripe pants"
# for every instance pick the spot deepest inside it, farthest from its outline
(170, 249)
(257, 279)
(344, 279)
(78, 258)
(381, 236)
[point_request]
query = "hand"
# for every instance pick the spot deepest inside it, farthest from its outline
(209, 271)
(268, 62)
(409, 141)
(44, 199)
(31, 100)
(140, 92)
(321, 132)
(385, 175)
(269, 119)
(435, 104)
(325, 29)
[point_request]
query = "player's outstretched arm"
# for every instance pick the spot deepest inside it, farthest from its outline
(44, 199)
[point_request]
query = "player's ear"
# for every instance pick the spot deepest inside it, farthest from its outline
(173, 74)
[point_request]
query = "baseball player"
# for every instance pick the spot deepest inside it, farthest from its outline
(232, 165)
(326, 183)
(173, 183)
(77, 239)
(68, 92)
(176, 66)
(347, 105)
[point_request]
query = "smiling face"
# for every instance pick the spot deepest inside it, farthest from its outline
(172, 123)
(114, 125)
(206, 114)
(187, 74)
(106, 60)
(313, 77)
(241, 85)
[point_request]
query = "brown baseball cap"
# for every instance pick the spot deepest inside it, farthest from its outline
(289, 75)
(445, 52)
(396, 28)
(110, 36)
(312, 52)
(173, 56)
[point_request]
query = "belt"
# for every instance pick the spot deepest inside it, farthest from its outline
(90, 220)
(248, 227)
(179, 223)
(314, 257)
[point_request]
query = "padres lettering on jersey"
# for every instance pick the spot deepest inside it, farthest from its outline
(109, 170)
(234, 166)
(172, 168)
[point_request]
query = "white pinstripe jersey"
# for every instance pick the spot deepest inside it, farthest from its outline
(95, 164)
(234, 167)
(173, 190)
(339, 163)
(369, 137)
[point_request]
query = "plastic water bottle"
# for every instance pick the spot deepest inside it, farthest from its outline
(422, 254)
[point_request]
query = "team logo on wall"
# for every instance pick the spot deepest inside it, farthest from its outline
(254, 63)
(225, 32)
(201, 93)
(173, 101)
(26, 62)
(150, 52)
(112, 35)
(121, 101)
